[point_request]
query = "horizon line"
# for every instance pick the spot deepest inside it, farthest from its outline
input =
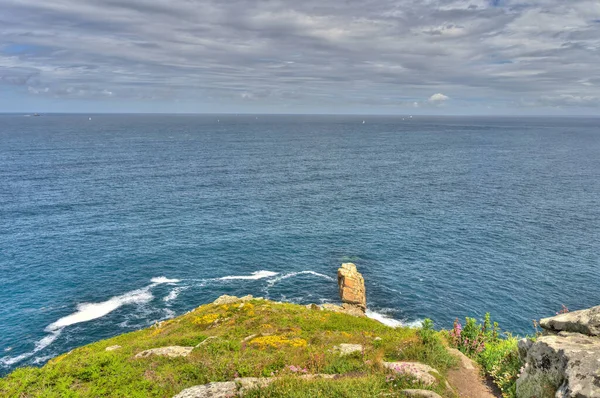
(300, 114)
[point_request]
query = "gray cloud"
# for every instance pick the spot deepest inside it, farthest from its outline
(389, 54)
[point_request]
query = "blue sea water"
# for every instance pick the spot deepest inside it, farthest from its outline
(109, 224)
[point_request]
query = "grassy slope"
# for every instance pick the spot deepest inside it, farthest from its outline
(287, 335)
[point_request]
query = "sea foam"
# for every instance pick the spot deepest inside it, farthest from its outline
(292, 274)
(87, 312)
(253, 276)
(389, 321)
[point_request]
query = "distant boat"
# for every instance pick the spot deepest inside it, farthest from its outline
(36, 114)
(90, 119)
(363, 122)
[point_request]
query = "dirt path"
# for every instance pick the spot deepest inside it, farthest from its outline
(468, 382)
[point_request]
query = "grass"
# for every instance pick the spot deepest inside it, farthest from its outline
(255, 339)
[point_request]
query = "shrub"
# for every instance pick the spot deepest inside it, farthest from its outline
(498, 357)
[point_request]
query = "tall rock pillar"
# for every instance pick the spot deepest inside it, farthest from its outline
(352, 287)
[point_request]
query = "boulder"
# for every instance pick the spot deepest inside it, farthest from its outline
(420, 394)
(171, 351)
(347, 349)
(583, 321)
(225, 389)
(564, 365)
(352, 286)
(344, 309)
(249, 383)
(112, 348)
(419, 371)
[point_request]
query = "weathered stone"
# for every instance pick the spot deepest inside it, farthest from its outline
(112, 348)
(211, 390)
(347, 349)
(249, 383)
(206, 341)
(345, 309)
(172, 352)
(420, 394)
(248, 338)
(523, 346)
(352, 286)
(238, 387)
(225, 299)
(421, 372)
(583, 321)
(568, 363)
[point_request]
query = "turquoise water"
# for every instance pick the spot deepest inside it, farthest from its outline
(109, 224)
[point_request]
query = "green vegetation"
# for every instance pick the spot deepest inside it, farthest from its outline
(498, 357)
(253, 339)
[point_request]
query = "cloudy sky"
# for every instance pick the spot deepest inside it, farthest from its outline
(291, 56)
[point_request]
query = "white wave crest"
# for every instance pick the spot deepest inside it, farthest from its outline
(87, 312)
(162, 279)
(292, 274)
(389, 321)
(173, 294)
(39, 345)
(253, 276)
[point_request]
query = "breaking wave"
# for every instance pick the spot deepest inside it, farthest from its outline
(87, 312)
(254, 276)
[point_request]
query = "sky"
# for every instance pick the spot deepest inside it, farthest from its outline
(401, 57)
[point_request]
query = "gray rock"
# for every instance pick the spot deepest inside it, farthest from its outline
(420, 394)
(171, 351)
(112, 348)
(583, 321)
(347, 349)
(524, 345)
(211, 390)
(421, 372)
(566, 363)
(344, 309)
(249, 383)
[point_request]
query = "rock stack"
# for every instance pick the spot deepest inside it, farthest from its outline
(352, 288)
(565, 361)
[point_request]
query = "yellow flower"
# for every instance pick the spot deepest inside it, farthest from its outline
(205, 320)
(263, 342)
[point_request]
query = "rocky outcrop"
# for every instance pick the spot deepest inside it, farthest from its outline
(225, 389)
(171, 351)
(239, 386)
(352, 286)
(584, 322)
(348, 349)
(563, 364)
(423, 373)
(344, 309)
(225, 299)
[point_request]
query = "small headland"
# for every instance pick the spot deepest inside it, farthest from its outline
(252, 347)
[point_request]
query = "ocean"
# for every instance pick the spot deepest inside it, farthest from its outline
(110, 224)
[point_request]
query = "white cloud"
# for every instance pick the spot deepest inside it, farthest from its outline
(438, 98)
(283, 53)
